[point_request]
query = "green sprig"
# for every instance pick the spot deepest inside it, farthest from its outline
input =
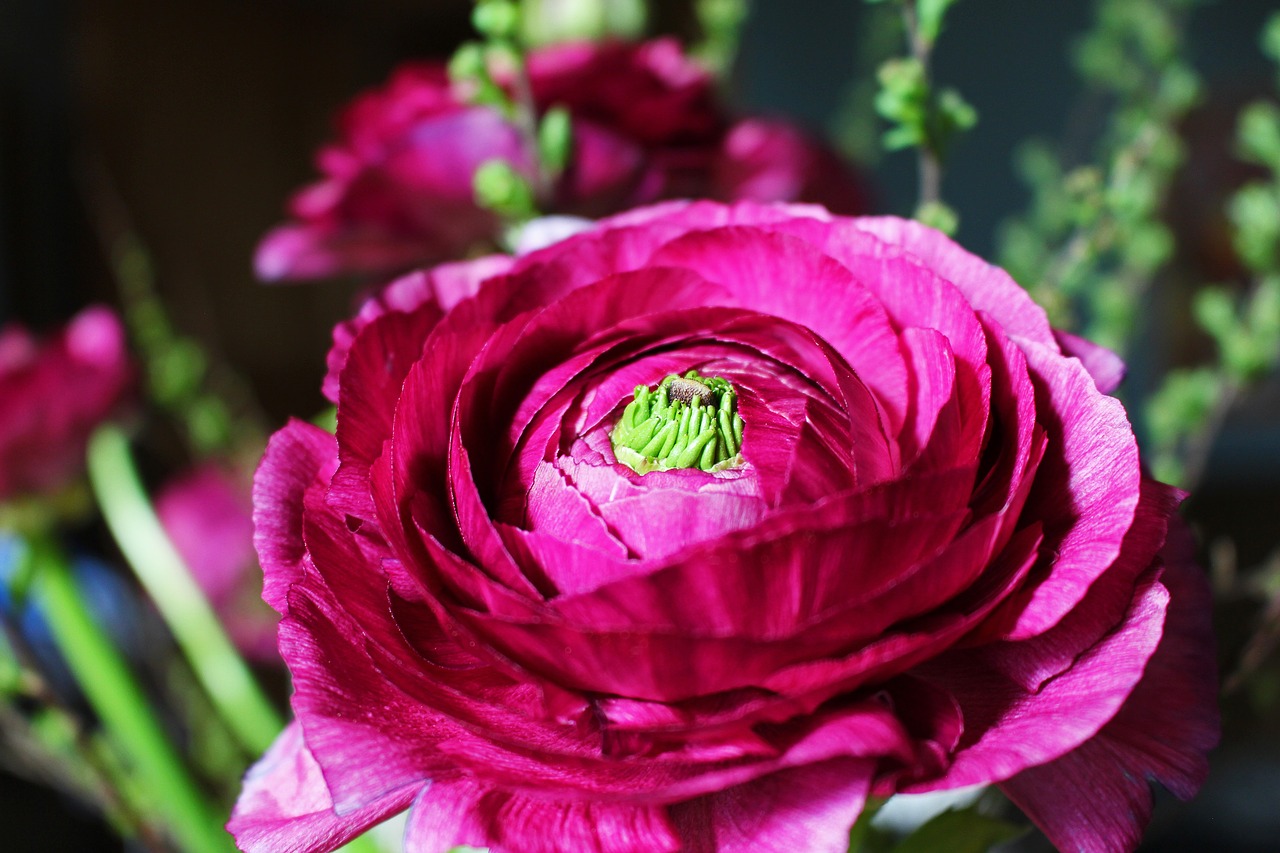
(218, 666)
(920, 115)
(123, 707)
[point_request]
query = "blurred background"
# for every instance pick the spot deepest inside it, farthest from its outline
(190, 123)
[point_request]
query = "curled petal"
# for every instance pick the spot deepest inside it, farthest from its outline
(285, 806)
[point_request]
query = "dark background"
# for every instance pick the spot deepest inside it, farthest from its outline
(202, 115)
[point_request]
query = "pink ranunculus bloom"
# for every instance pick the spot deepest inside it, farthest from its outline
(53, 394)
(919, 553)
(396, 185)
(208, 514)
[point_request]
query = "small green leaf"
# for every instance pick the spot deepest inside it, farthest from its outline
(1260, 134)
(958, 831)
(500, 188)
(1255, 213)
(496, 19)
(956, 112)
(935, 214)
(929, 16)
(468, 64)
(555, 140)
(1271, 37)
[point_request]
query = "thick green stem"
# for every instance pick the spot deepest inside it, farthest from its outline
(221, 671)
(119, 701)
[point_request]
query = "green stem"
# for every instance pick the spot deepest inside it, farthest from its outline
(221, 671)
(929, 158)
(118, 700)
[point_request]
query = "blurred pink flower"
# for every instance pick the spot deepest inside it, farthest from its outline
(927, 558)
(52, 396)
(208, 514)
(396, 186)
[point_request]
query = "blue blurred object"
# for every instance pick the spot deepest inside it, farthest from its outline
(111, 598)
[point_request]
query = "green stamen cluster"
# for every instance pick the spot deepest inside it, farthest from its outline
(688, 421)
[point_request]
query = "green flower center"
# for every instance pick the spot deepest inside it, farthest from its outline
(688, 421)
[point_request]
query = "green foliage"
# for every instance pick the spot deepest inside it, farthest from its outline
(1245, 327)
(959, 831)
(930, 14)
(550, 21)
(855, 127)
(212, 408)
(515, 195)
(1187, 397)
(920, 115)
(496, 20)
(1271, 38)
(937, 214)
(721, 23)
(555, 140)
(500, 188)
(1093, 241)
(903, 100)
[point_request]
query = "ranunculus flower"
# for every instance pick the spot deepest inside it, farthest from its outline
(396, 190)
(208, 514)
(52, 396)
(892, 536)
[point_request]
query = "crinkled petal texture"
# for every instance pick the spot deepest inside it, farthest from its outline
(396, 185)
(936, 562)
(53, 394)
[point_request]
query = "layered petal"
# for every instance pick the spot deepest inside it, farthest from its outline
(930, 559)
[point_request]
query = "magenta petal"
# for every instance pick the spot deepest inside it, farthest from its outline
(463, 811)
(1009, 728)
(988, 288)
(1106, 368)
(297, 457)
(809, 808)
(443, 287)
(1097, 798)
(285, 806)
(1086, 490)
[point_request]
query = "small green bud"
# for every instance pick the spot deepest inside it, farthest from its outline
(467, 65)
(930, 13)
(935, 214)
(555, 139)
(1271, 37)
(500, 188)
(1260, 134)
(496, 19)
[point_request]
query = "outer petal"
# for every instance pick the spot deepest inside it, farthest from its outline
(443, 286)
(988, 288)
(1106, 368)
(297, 457)
(1097, 799)
(285, 806)
(465, 812)
(1009, 728)
(809, 809)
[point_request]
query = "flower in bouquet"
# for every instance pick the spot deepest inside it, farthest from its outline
(53, 394)
(397, 184)
(208, 514)
(695, 530)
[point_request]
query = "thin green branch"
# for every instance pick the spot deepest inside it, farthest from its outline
(121, 704)
(221, 671)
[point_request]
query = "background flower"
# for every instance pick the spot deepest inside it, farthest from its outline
(397, 184)
(208, 514)
(53, 394)
(935, 563)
